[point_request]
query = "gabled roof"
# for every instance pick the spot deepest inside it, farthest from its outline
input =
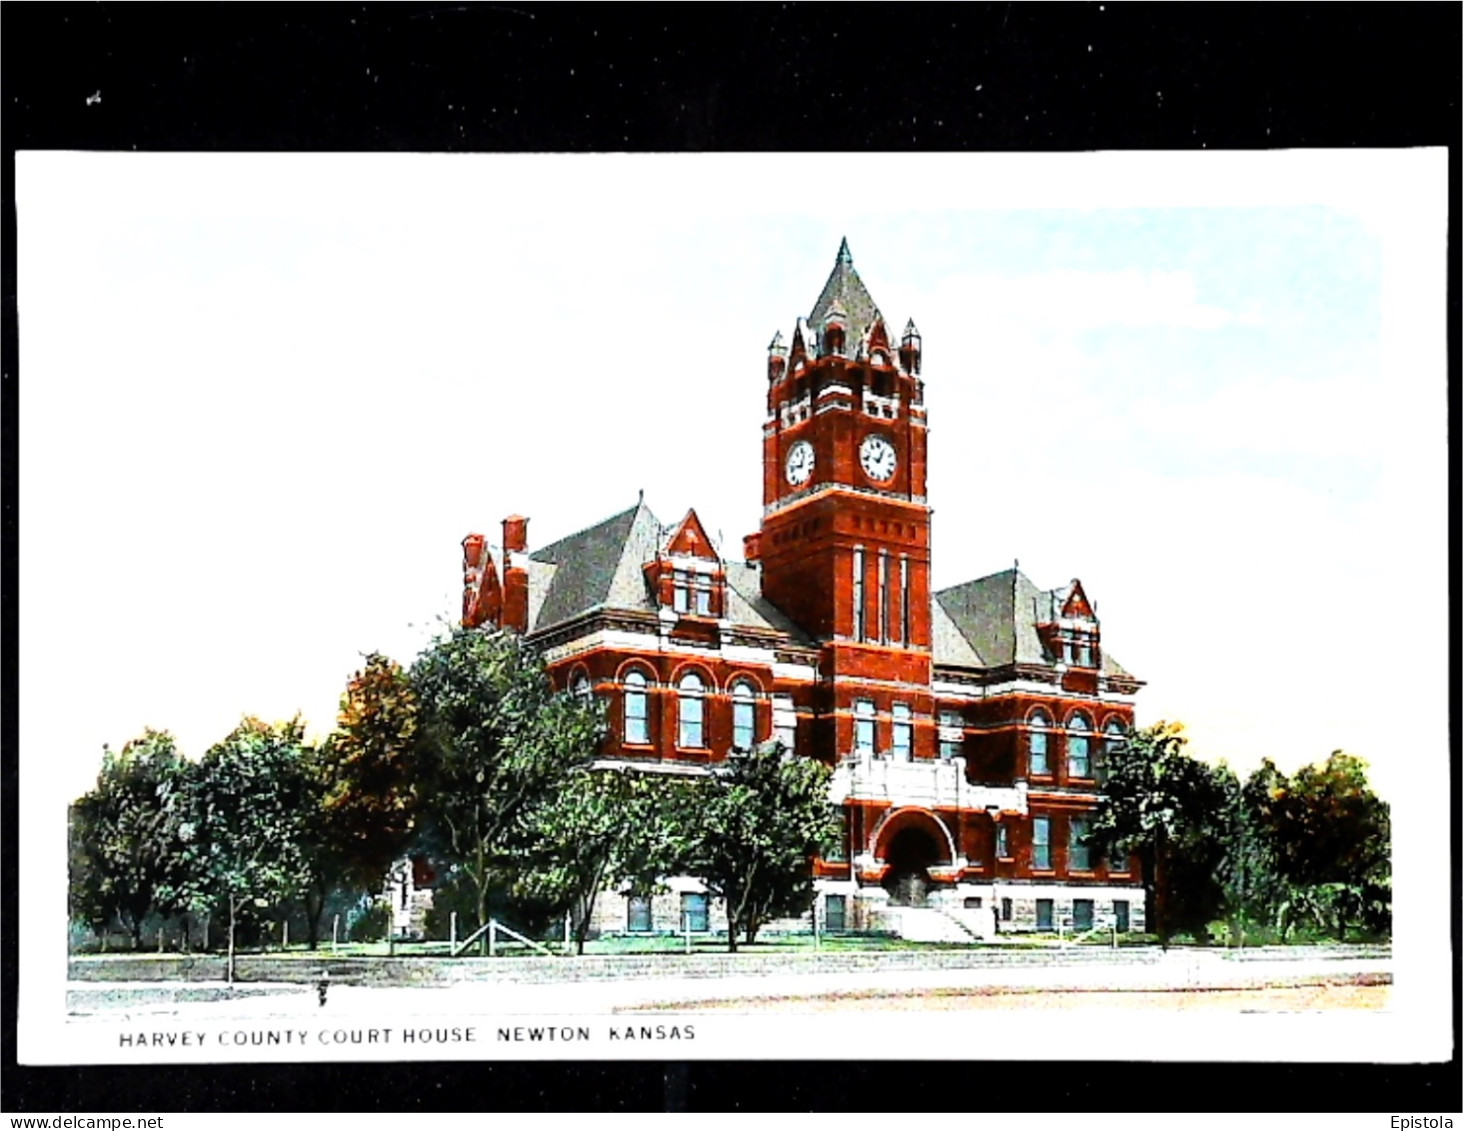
(997, 616)
(603, 567)
(845, 288)
(599, 566)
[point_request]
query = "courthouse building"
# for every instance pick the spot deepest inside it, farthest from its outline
(967, 728)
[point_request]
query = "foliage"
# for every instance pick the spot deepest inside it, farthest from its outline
(248, 818)
(493, 741)
(601, 827)
(1326, 843)
(126, 856)
(370, 797)
(750, 832)
(1174, 813)
(369, 922)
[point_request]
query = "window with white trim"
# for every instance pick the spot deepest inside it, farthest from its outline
(1113, 737)
(785, 721)
(637, 710)
(858, 593)
(744, 716)
(1040, 764)
(903, 731)
(691, 705)
(863, 726)
(1041, 843)
(1079, 748)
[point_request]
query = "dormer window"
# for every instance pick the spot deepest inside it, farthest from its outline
(691, 593)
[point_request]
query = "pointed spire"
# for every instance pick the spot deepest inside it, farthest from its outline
(777, 346)
(910, 331)
(844, 289)
(844, 255)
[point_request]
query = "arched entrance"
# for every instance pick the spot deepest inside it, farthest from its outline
(911, 852)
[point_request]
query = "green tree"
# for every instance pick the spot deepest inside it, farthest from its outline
(251, 804)
(494, 741)
(750, 832)
(1175, 814)
(127, 856)
(601, 827)
(1329, 837)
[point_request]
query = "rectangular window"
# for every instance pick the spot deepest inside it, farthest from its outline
(858, 593)
(883, 595)
(692, 733)
(703, 600)
(1039, 763)
(1120, 915)
(744, 724)
(637, 725)
(1044, 915)
(1084, 653)
(637, 916)
(682, 591)
(973, 903)
(1005, 910)
(1079, 762)
(785, 721)
(950, 744)
(1079, 856)
(903, 732)
(1081, 914)
(694, 916)
(904, 599)
(835, 912)
(1003, 842)
(1041, 843)
(863, 726)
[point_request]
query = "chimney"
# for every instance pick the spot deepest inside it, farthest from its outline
(752, 547)
(515, 573)
(515, 534)
(472, 561)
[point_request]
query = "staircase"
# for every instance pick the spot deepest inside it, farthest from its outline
(933, 924)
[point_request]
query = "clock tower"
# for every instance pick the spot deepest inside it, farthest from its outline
(845, 539)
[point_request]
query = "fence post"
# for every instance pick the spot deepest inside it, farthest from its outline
(452, 930)
(286, 944)
(335, 935)
(159, 940)
(492, 937)
(568, 934)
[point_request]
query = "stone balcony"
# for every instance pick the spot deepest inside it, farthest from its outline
(920, 782)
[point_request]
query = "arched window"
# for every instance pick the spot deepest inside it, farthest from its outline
(637, 710)
(691, 702)
(1079, 749)
(1039, 724)
(580, 687)
(744, 716)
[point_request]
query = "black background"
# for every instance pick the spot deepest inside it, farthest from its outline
(809, 78)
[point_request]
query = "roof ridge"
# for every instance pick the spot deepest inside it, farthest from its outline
(554, 545)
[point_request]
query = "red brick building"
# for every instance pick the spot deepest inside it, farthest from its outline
(967, 728)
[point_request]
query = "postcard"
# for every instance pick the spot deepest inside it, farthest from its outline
(707, 606)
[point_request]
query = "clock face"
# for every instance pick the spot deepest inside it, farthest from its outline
(800, 463)
(877, 457)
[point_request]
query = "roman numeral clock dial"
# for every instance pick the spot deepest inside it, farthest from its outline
(876, 456)
(800, 463)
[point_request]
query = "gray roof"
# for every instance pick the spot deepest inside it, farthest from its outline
(603, 567)
(845, 288)
(996, 616)
(597, 567)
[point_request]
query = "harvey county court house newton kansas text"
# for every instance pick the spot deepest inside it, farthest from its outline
(967, 728)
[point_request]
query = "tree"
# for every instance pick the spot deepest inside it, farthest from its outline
(127, 853)
(1174, 813)
(751, 832)
(250, 808)
(601, 827)
(494, 741)
(1329, 837)
(366, 786)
